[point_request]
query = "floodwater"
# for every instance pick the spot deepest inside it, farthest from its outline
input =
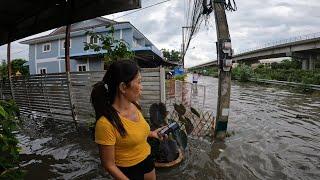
(275, 135)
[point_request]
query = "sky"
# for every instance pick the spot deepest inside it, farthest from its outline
(253, 24)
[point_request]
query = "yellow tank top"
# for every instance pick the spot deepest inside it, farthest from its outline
(129, 150)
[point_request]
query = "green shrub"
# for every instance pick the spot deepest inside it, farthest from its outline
(9, 150)
(288, 74)
(180, 77)
(242, 72)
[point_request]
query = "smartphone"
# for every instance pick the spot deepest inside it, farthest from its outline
(170, 128)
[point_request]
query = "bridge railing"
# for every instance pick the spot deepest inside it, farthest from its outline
(282, 41)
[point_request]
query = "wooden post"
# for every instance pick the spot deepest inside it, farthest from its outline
(182, 47)
(66, 49)
(67, 63)
(9, 68)
(224, 86)
(162, 85)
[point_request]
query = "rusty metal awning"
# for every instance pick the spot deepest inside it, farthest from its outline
(22, 18)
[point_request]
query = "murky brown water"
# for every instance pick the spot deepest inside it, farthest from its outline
(269, 142)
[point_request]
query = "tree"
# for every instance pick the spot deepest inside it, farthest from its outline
(16, 65)
(172, 55)
(113, 48)
(287, 64)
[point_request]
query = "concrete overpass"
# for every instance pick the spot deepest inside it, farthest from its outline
(208, 64)
(306, 48)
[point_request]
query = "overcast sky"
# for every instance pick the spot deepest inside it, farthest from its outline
(256, 22)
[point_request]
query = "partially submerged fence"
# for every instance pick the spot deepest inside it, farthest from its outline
(186, 93)
(191, 96)
(47, 95)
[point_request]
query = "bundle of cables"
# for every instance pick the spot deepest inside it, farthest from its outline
(229, 5)
(199, 10)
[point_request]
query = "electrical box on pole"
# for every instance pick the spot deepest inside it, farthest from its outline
(224, 57)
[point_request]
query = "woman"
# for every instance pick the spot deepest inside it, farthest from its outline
(121, 131)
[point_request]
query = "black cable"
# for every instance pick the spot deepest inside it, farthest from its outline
(142, 9)
(229, 6)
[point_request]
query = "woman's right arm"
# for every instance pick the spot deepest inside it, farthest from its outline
(107, 161)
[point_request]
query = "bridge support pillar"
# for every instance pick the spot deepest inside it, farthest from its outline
(312, 62)
(305, 64)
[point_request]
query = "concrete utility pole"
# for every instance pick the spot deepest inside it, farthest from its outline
(224, 52)
(183, 44)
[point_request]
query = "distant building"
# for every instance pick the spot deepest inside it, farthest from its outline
(273, 60)
(46, 53)
(268, 62)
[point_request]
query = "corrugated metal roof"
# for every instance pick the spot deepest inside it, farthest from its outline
(22, 18)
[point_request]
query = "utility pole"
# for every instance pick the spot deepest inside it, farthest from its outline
(67, 63)
(67, 49)
(224, 52)
(9, 65)
(182, 48)
(183, 45)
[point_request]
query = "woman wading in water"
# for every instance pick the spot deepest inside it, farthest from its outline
(121, 131)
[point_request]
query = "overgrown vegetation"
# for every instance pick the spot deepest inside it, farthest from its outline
(16, 65)
(206, 71)
(172, 55)
(287, 70)
(111, 48)
(243, 73)
(180, 77)
(210, 71)
(9, 150)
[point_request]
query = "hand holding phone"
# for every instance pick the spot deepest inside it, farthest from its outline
(169, 128)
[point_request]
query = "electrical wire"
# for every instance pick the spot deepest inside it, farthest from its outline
(142, 9)
(200, 10)
(194, 13)
(231, 6)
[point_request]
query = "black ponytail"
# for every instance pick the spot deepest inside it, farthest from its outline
(104, 92)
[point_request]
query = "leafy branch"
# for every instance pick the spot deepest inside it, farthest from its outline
(113, 49)
(9, 150)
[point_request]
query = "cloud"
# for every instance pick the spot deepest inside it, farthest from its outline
(255, 23)
(19, 50)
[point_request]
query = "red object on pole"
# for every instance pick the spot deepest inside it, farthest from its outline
(67, 48)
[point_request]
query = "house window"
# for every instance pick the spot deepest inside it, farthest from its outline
(82, 67)
(93, 40)
(135, 42)
(64, 44)
(46, 47)
(43, 71)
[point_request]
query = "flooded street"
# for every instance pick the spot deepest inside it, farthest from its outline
(275, 135)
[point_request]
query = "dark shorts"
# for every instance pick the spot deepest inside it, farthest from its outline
(195, 82)
(137, 171)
